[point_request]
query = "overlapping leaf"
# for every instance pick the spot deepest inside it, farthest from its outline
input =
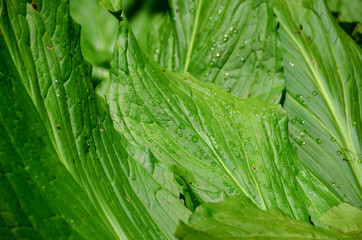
(230, 43)
(324, 86)
(343, 217)
(238, 218)
(229, 146)
(62, 164)
(89, 171)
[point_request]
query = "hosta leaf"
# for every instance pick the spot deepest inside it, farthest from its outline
(343, 217)
(31, 174)
(228, 145)
(230, 43)
(238, 218)
(62, 163)
(324, 88)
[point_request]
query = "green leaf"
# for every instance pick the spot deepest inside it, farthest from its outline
(343, 217)
(238, 218)
(64, 167)
(324, 85)
(320, 197)
(232, 44)
(31, 174)
(350, 11)
(231, 146)
(111, 5)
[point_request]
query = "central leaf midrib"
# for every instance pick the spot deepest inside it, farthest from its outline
(193, 36)
(339, 125)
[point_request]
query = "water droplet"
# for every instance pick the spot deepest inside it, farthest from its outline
(339, 153)
(242, 59)
(228, 89)
(292, 121)
(192, 10)
(194, 139)
(217, 55)
(213, 164)
(333, 139)
(308, 98)
(219, 12)
(297, 118)
(315, 93)
(291, 64)
(318, 141)
(302, 122)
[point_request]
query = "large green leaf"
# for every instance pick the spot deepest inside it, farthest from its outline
(228, 145)
(62, 165)
(230, 43)
(239, 218)
(324, 89)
